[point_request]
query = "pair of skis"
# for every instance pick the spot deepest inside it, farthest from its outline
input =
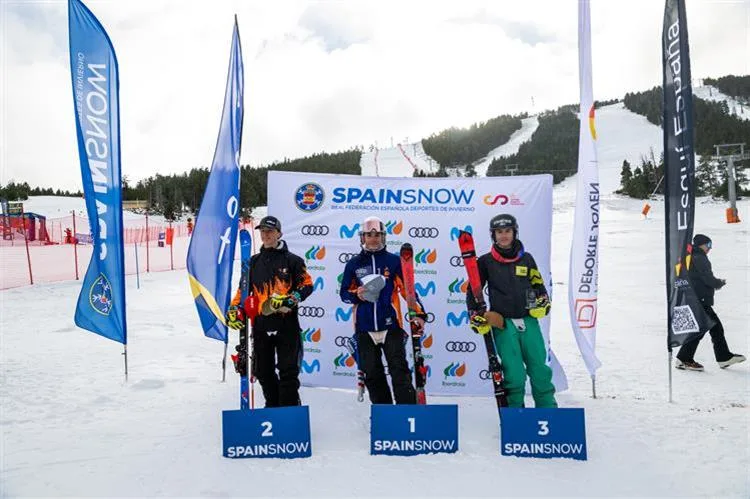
(420, 371)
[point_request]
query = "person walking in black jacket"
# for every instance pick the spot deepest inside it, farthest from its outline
(704, 284)
(279, 280)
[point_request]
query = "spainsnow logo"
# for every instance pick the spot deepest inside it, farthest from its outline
(343, 315)
(394, 227)
(426, 341)
(319, 284)
(455, 370)
(347, 232)
(309, 197)
(426, 256)
(315, 253)
(457, 320)
(100, 295)
(311, 367)
(426, 289)
(456, 231)
(344, 359)
(458, 285)
(311, 335)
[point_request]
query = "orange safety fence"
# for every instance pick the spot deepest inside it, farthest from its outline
(60, 249)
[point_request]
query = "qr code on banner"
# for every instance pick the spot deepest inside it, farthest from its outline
(683, 320)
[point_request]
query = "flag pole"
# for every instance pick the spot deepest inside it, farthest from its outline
(224, 362)
(125, 354)
(593, 385)
(669, 369)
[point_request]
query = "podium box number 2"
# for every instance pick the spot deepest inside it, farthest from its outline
(409, 430)
(281, 432)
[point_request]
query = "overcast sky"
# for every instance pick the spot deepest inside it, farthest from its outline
(326, 76)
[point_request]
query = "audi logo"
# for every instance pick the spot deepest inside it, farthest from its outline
(485, 374)
(341, 341)
(345, 257)
(305, 311)
(428, 232)
(457, 261)
(315, 230)
(430, 317)
(460, 346)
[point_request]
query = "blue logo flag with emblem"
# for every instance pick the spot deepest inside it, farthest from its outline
(211, 251)
(93, 69)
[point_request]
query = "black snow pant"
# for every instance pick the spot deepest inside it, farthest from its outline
(721, 349)
(371, 362)
(277, 345)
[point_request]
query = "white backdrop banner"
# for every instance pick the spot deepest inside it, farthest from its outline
(321, 215)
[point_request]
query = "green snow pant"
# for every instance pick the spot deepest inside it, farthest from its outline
(523, 352)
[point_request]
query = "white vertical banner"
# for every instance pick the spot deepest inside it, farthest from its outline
(583, 281)
(321, 215)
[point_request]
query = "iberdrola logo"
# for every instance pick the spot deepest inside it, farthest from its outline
(394, 227)
(426, 255)
(310, 335)
(458, 285)
(344, 360)
(455, 369)
(315, 253)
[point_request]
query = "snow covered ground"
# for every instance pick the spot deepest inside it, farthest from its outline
(71, 426)
(711, 93)
(61, 206)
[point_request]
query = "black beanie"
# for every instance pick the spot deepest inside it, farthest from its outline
(700, 240)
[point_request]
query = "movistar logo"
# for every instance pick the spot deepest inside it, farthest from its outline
(344, 360)
(458, 285)
(310, 335)
(343, 315)
(455, 369)
(402, 196)
(429, 288)
(457, 320)
(313, 366)
(315, 253)
(346, 232)
(426, 256)
(318, 284)
(456, 231)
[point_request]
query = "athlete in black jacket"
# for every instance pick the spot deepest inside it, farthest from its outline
(279, 280)
(704, 284)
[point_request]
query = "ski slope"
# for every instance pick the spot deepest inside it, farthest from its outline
(399, 161)
(711, 93)
(523, 134)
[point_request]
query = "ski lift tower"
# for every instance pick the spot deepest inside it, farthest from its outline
(729, 154)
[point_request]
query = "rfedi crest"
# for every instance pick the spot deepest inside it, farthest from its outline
(309, 197)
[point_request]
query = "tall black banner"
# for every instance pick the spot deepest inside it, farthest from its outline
(686, 317)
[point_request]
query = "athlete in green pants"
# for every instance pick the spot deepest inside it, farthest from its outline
(518, 299)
